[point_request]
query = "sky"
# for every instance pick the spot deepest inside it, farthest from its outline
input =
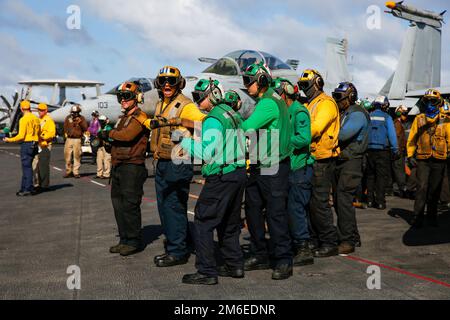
(118, 40)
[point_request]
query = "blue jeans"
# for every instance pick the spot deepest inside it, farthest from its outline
(172, 183)
(27, 153)
(298, 203)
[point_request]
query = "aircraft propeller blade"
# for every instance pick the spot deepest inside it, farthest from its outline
(15, 97)
(6, 102)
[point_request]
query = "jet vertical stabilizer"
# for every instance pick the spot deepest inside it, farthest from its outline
(419, 65)
(336, 62)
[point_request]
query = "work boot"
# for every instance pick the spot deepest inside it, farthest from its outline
(303, 255)
(170, 261)
(23, 193)
(127, 250)
(227, 271)
(326, 251)
(76, 176)
(198, 278)
(282, 272)
(346, 248)
(68, 175)
(313, 245)
(159, 257)
(256, 263)
(116, 248)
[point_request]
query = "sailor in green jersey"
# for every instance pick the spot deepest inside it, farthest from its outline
(219, 204)
(232, 99)
(268, 188)
(301, 172)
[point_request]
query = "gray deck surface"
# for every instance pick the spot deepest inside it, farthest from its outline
(41, 236)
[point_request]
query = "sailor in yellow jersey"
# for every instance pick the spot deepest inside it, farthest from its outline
(172, 181)
(325, 125)
(41, 163)
(428, 149)
(28, 137)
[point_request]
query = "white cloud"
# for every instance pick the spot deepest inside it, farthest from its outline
(368, 82)
(184, 29)
(387, 61)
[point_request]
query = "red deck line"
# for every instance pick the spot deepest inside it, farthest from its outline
(407, 273)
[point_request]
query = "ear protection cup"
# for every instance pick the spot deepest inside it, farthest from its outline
(319, 82)
(288, 88)
(140, 97)
(264, 80)
(182, 83)
(215, 94)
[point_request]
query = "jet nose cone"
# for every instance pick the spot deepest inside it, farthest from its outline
(59, 115)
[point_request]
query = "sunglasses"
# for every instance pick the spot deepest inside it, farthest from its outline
(125, 96)
(248, 80)
(172, 81)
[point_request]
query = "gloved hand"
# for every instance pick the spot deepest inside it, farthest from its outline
(104, 135)
(158, 122)
(412, 162)
(154, 124)
(177, 136)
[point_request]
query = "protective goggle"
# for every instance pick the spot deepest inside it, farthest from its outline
(377, 105)
(434, 101)
(303, 85)
(125, 96)
(198, 96)
(248, 80)
(172, 81)
(338, 96)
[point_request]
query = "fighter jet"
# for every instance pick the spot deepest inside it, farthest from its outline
(228, 70)
(419, 64)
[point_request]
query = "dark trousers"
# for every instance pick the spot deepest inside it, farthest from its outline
(323, 232)
(379, 165)
(348, 177)
(411, 182)
(430, 173)
(44, 168)
(94, 149)
(27, 153)
(172, 183)
(219, 207)
(127, 189)
(399, 174)
(269, 192)
(300, 188)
